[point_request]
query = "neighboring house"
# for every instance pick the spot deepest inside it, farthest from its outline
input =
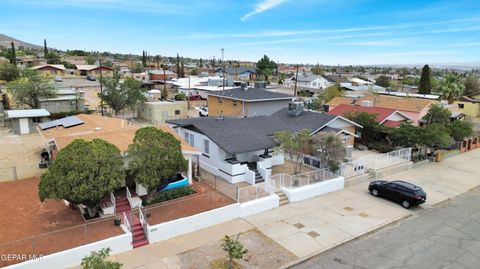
(67, 100)
(240, 73)
(202, 86)
(468, 106)
(50, 69)
(93, 70)
(309, 82)
(160, 75)
(364, 89)
(342, 81)
(413, 108)
(161, 111)
(246, 102)
(385, 116)
(242, 149)
(340, 101)
(140, 76)
(22, 121)
(29, 61)
(80, 60)
(58, 134)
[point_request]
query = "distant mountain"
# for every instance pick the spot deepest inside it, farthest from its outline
(6, 40)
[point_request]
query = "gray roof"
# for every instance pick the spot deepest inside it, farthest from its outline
(65, 122)
(251, 95)
(237, 135)
(239, 70)
(307, 78)
(27, 113)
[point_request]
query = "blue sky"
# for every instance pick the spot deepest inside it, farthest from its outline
(294, 31)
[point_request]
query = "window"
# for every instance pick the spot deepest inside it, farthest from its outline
(461, 106)
(220, 100)
(206, 144)
(234, 103)
(192, 141)
(177, 112)
(186, 137)
(189, 138)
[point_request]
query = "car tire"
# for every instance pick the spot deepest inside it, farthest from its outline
(406, 204)
(374, 192)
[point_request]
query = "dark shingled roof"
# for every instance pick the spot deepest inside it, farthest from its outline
(237, 135)
(251, 95)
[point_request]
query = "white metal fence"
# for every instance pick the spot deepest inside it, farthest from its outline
(252, 192)
(375, 162)
(294, 181)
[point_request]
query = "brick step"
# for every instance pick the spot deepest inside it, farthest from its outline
(140, 243)
(139, 237)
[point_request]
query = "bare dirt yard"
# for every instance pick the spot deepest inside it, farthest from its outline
(19, 155)
(262, 253)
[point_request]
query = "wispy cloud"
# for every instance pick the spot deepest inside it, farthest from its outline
(263, 6)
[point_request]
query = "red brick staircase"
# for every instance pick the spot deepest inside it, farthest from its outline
(123, 206)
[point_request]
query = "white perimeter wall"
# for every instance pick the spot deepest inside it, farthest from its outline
(74, 256)
(202, 220)
(310, 191)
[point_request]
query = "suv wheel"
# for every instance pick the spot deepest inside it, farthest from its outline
(374, 192)
(406, 204)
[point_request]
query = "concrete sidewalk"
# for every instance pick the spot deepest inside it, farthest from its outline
(315, 225)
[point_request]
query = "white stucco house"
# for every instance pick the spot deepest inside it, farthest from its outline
(242, 149)
(309, 82)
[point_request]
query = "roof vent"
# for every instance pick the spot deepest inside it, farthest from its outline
(367, 103)
(98, 128)
(296, 107)
(244, 86)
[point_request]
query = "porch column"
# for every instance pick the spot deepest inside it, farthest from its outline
(190, 170)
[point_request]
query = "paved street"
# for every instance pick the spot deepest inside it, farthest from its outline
(445, 236)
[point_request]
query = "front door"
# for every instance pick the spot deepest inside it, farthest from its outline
(24, 126)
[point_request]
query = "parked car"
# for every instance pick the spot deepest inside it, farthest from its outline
(195, 97)
(203, 111)
(91, 78)
(405, 193)
(58, 79)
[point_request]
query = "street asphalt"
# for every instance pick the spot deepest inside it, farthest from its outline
(444, 236)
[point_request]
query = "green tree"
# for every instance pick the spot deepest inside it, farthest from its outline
(331, 92)
(437, 114)
(83, 173)
(406, 135)
(53, 58)
(119, 95)
(138, 68)
(318, 70)
(472, 86)
(434, 136)
(9, 72)
(98, 260)
(108, 63)
(179, 71)
(144, 59)
(329, 148)
(234, 249)
(451, 87)
(294, 144)
(13, 54)
(460, 130)
(265, 67)
(425, 86)
(372, 130)
(383, 81)
(90, 59)
(45, 49)
(155, 156)
(30, 87)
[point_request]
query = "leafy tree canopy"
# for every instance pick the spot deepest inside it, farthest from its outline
(425, 86)
(437, 114)
(294, 144)
(460, 130)
(472, 86)
(155, 156)
(9, 72)
(371, 130)
(451, 87)
(30, 87)
(119, 95)
(98, 260)
(83, 173)
(53, 58)
(383, 81)
(265, 67)
(329, 148)
(234, 249)
(331, 92)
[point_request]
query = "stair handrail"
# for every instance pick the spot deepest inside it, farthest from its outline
(127, 223)
(112, 199)
(143, 222)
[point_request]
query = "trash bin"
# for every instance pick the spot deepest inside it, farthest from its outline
(438, 156)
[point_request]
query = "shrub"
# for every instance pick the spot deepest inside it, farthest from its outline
(181, 97)
(170, 195)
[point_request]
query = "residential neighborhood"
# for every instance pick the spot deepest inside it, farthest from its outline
(268, 134)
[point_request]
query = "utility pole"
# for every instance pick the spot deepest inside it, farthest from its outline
(295, 89)
(101, 87)
(223, 71)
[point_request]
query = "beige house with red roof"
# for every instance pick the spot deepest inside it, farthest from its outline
(385, 116)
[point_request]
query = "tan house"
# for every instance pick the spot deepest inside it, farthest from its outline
(246, 102)
(93, 70)
(51, 70)
(161, 111)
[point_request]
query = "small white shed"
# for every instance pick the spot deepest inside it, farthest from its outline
(22, 120)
